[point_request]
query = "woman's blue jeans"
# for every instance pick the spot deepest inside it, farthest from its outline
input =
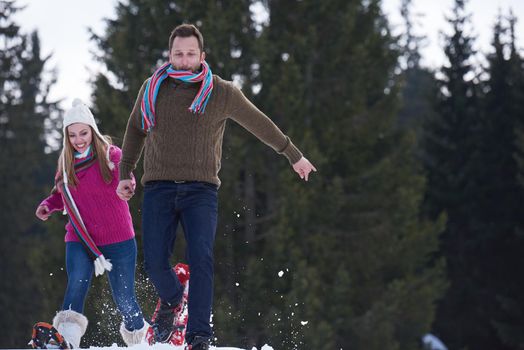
(194, 205)
(80, 268)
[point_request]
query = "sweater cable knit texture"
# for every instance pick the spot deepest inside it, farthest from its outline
(188, 147)
(105, 216)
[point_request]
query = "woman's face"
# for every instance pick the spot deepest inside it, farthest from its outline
(80, 136)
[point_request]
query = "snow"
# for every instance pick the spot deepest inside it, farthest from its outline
(171, 347)
(431, 342)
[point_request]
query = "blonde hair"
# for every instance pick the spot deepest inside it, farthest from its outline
(99, 148)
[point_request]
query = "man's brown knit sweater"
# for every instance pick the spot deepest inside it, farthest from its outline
(183, 146)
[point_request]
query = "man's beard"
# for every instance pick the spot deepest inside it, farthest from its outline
(191, 69)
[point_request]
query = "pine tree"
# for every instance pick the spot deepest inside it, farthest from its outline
(327, 75)
(453, 144)
(24, 169)
(419, 83)
(503, 224)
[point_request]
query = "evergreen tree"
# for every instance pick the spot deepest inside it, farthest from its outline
(503, 224)
(24, 169)
(328, 78)
(453, 155)
(418, 82)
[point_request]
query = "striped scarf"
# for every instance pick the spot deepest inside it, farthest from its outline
(166, 70)
(101, 264)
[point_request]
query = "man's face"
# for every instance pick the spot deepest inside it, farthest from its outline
(185, 54)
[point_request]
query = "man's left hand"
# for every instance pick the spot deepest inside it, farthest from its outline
(303, 167)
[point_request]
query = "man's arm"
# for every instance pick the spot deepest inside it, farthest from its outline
(134, 138)
(132, 147)
(252, 119)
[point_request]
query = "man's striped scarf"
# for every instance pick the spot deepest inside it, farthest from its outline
(166, 70)
(101, 264)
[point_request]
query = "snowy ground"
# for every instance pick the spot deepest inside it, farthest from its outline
(170, 347)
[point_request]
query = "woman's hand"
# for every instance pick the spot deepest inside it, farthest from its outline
(42, 212)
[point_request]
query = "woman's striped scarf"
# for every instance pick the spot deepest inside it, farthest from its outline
(166, 70)
(101, 264)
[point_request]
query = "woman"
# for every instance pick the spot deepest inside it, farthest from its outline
(99, 234)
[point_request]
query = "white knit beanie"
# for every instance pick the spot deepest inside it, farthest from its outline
(80, 113)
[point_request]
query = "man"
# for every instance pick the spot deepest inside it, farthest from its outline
(180, 115)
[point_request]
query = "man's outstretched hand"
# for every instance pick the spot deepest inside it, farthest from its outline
(303, 167)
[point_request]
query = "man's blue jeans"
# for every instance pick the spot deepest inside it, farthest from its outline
(80, 268)
(194, 205)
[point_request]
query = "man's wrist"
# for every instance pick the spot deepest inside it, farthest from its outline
(125, 172)
(292, 153)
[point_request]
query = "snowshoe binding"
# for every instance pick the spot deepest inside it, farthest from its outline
(45, 336)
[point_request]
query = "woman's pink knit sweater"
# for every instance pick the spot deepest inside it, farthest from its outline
(105, 215)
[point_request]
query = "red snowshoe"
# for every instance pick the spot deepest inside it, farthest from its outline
(45, 336)
(177, 337)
